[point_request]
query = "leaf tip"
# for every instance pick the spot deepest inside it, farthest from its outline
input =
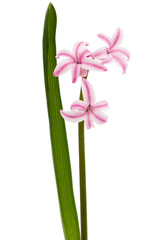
(50, 5)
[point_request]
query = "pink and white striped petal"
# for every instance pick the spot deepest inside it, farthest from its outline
(83, 72)
(65, 53)
(99, 117)
(100, 54)
(122, 51)
(63, 67)
(108, 59)
(102, 105)
(79, 105)
(73, 116)
(83, 53)
(77, 47)
(105, 38)
(88, 92)
(121, 61)
(89, 120)
(92, 64)
(117, 37)
(75, 72)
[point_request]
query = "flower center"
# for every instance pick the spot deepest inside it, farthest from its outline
(107, 51)
(77, 62)
(88, 108)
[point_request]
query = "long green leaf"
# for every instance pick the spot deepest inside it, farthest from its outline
(59, 142)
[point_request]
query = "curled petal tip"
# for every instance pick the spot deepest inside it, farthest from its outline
(56, 57)
(54, 75)
(105, 69)
(128, 57)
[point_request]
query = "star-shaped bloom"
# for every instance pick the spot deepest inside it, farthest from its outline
(77, 61)
(112, 51)
(87, 110)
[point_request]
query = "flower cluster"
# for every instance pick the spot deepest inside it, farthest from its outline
(80, 61)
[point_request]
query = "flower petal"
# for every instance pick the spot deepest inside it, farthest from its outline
(79, 105)
(63, 67)
(83, 72)
(92, 64)
(88, 92)
(103, 105)
(108, 59)
(73, 116)
(65, 53)
(75, 72)
(76, 48)
(121, 61)
(100, 54)
(105, 38)
(83, 53)
(123, 51)
(89, 120)
(117, 37)
(99, 117)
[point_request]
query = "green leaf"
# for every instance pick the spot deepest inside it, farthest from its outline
(59, 142)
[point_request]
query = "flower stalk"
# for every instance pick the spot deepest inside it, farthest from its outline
(82, 175)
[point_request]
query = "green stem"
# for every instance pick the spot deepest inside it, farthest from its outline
(82, 173)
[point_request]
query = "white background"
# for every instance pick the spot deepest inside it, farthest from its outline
(122, 156)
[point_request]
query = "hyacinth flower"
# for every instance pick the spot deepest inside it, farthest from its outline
(112, 52)
(87, 110)
(77, 62)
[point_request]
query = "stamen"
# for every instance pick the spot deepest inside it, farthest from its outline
(88, 108)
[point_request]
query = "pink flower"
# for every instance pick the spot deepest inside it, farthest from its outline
(77, 62)
(112, 51)
(87, 110)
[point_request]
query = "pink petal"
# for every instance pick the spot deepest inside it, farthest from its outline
(73, 116)
(103, 105)
(76, 48)
(121, 61)
(105, 38)
(99, 117)
(108, 59)
(63, 67)
(83, 53)
(75, 72)
(92, 64)
(79, 105)
(123, 51)
(83, 72)
(89, 120)
(117, 37)
(100, 54)
(65, 53)
(88, 92)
